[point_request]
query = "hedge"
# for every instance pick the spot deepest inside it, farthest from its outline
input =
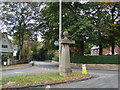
(103, 59)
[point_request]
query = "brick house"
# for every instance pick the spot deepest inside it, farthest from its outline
(95, 50)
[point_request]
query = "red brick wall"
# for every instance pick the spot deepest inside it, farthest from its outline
(117, 49)
(106, 51)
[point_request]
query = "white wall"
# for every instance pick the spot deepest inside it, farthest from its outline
(0, 42)
(5, 41)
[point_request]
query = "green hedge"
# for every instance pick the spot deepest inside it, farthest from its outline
(96, 59)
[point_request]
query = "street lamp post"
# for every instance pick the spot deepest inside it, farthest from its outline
(60, 30)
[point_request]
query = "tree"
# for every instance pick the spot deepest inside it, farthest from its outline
(113, 25)
(18, 17)
(78, 24)
(50, 24)
(104, 20)
(100, 18)
(26, 51)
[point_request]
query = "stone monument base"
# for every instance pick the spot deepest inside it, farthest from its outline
(65, 71)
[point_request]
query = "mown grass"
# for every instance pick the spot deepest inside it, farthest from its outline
(42, 78)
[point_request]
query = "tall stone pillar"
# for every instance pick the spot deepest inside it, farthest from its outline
(64, 66)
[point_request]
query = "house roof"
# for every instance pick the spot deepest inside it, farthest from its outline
(95, 47)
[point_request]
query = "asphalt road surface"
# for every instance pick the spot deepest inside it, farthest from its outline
(105, 79)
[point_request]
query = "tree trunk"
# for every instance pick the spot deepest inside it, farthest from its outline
(113, 41)
(21, 46)
(100, 49)
(81, 48)
(113, 47)
(20, 52)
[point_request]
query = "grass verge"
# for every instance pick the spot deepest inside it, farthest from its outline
(42, 78)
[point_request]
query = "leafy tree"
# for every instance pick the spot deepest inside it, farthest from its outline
(100, 18)
(26, 51)
(80, 27)
(50, 26)
(35, 47)
(114, 35)
(104, 20)
(18, 17)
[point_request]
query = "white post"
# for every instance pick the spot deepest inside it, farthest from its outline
(84, 71)
(8, 61)
(5, 63)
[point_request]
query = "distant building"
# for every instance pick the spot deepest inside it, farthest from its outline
(5, 45)
(95, 50)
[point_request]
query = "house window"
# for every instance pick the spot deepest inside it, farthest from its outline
(4, 46)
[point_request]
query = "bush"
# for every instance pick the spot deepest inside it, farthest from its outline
(42, 54)
(55, 58)
(50, 55)
(4, 58)
(103, 59)
(56, 55)
(34, 56)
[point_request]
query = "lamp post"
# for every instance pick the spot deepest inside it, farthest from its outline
(60, 29)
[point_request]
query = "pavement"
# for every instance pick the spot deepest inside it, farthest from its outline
(40, 67)
(11, 67)
(105, 79)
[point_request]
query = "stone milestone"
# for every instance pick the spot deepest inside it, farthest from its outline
(64, 66)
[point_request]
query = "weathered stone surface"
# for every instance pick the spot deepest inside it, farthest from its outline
(64, 66)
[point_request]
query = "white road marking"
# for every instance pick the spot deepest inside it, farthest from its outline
(48, 86)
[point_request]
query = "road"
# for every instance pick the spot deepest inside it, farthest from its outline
(105, 79)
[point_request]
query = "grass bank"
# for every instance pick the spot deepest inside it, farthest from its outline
(42, 78)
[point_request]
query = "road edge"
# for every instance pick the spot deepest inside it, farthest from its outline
(41, 85)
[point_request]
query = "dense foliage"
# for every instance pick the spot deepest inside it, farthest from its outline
(89, 24)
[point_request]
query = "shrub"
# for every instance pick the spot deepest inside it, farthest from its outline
(50, 54)
(55, 58)
(103, 59)
(56, 55)
(42, 54)
(4, 58)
